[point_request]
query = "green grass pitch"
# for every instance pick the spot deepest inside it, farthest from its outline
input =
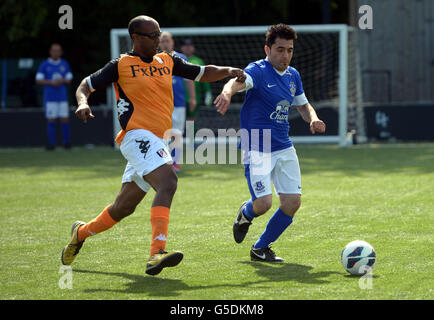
(383, 194)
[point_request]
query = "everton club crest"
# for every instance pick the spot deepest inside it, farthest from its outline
(292, 88)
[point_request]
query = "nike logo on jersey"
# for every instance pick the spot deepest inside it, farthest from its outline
(271, 85)
(262, 256)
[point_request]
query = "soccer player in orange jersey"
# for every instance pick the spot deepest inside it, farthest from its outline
(143, 83)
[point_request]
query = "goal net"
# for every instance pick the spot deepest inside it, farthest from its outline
(325, 56)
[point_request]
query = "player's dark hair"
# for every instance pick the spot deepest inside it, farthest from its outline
(56, 44)
(280, 30)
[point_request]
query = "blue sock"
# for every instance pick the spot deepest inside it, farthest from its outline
(176, 155)
(66, 132)
(51, 133)
(275, 227)
(248, 210)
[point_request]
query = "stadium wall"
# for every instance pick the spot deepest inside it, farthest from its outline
(400, 123)
(27, 128)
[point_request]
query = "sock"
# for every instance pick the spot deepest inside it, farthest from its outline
(51, 133)
(248, 211)
(101, 223)
(176, 154)
(160, 226)
(66, 132)
(275, 227)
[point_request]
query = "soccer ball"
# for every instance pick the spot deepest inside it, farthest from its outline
(358, 257)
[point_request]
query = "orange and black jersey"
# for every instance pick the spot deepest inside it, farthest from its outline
(144, 89)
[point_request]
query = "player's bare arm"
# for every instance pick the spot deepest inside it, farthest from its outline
(192, 94)
(66, 81)
(223, 100)
(44, 82)
(215, 73)
(56, 83)
(309, 115)
(82, 94)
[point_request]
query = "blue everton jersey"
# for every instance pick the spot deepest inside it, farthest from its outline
(52, 70)
(178, 86)
(269, 97)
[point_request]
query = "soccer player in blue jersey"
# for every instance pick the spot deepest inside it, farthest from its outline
(272, 88)
(179, 108)
(55, 74)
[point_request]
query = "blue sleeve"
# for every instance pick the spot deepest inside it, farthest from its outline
(41, 68)
(67, 72)
(255, 72)
(67, 67)
(299, 84)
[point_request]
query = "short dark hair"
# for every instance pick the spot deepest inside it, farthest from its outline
(187, 42)
(280, 30)
(55, 44)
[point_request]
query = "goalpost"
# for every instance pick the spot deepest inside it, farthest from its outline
(325, 55)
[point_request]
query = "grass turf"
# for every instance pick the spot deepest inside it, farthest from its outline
(383, 194)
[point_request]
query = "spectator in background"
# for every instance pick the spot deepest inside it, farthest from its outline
(54, 74)
(188, 49)
(178, 117)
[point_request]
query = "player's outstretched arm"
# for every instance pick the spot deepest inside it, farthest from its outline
(82, 94)
(309, 115)
(215, 73)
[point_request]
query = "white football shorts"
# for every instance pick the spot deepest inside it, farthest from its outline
(56, 109)
(145, 152)
(280, 168)
(178, 118)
